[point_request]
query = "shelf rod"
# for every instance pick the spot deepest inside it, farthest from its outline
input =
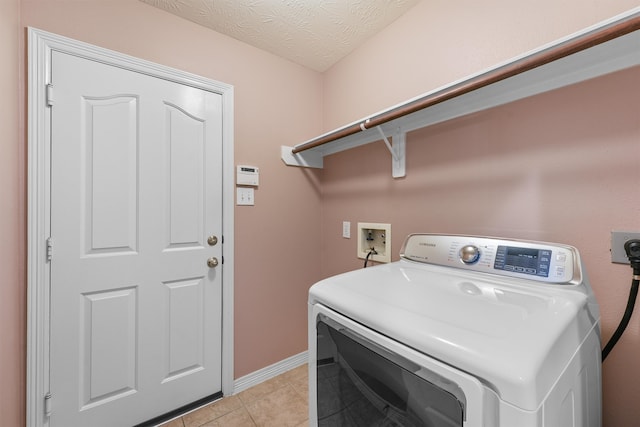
(569, 47)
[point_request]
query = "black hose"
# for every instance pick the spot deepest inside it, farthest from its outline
(366, 259)
(633, 293)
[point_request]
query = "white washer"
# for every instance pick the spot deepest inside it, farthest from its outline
(462, 331)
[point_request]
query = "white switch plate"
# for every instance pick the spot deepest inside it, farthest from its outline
(244, 196)
(346, 229)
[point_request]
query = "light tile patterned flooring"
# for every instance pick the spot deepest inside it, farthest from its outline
(279, 402)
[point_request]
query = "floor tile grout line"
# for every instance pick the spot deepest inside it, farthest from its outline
(288, 382)
(249, 412)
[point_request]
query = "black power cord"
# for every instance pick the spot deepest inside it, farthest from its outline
(632, 248)
(366, 259)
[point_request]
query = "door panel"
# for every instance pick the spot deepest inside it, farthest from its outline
(186, 210)
(110, 132)
(136, 186)
(108, 344)
(183, 343)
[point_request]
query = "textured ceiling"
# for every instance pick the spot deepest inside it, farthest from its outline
(313, 33)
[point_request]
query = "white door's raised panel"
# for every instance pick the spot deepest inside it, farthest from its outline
(110, 171)
(186, 139)
(108, 344)
(184, 350)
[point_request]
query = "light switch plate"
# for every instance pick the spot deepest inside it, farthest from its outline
(346, 229)
(244, 196)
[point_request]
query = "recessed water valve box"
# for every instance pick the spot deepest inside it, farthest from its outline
(374, 238)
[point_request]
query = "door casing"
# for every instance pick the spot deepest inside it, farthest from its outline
(41, 44)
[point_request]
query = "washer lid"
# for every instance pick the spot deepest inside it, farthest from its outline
(515, 337)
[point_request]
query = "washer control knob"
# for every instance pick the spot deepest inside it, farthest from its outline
(469, 254)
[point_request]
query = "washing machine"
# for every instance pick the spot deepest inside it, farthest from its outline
(461, 331)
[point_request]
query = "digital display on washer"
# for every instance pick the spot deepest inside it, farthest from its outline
(523, 260)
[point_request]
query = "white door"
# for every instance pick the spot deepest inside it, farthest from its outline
(136, 190)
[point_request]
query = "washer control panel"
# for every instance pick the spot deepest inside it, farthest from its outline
(539, 261)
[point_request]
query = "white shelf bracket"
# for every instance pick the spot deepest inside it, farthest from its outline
(397, 150)
(387, 143)
(305, 159)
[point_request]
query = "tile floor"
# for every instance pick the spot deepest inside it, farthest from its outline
(279, 402)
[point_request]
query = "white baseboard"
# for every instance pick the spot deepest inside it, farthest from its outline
(269, 372)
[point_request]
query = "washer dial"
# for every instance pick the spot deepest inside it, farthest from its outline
(469, 254)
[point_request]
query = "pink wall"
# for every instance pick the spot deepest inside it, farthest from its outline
(272, 274)
(276, 102)
(12, 226)
(561, 167)
(439, 41)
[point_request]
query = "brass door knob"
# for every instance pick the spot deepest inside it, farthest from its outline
(212, 262)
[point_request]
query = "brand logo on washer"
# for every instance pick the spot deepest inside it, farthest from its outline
(431, 245)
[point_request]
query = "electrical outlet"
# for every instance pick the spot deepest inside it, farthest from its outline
(618, 239)
(377, 237)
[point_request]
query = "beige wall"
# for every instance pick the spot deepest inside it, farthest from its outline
(12, 220)
(563, 166)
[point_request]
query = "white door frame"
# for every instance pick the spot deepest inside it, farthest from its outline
(41, 44)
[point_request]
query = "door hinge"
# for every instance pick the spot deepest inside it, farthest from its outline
(49, 94)
(47, 405)
(49, 248)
